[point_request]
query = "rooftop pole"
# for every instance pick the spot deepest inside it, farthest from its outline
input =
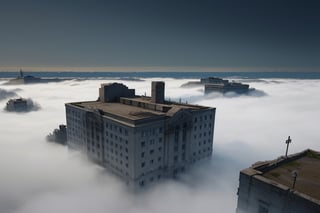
(294, 175)
(288, 141)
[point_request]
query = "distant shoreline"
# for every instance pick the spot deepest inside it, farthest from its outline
(176, 75)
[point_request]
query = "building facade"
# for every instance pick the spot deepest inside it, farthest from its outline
(284, 185)
(141, 139)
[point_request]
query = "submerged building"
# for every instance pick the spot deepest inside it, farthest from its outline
(58, 135)
(213, 84)
(141, 139)
(17, 105)
(284, 185)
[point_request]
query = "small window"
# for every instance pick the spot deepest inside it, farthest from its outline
(142, 164)
(263, 207)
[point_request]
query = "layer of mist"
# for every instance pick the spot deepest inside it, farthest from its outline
(45, 177)
(5, 94)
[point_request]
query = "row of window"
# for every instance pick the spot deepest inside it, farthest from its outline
(205, 125)
(116, 129)
(151, 179)
(151, 132)
(204, 150)
(200, 135)
(151, 142)
(201, 118)
(151, 162)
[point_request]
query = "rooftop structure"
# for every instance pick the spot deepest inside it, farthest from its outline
(141, 139)
(287, 184)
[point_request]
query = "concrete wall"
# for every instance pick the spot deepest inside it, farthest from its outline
(257, 193)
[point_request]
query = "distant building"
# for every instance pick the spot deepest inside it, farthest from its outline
(284, 185)
(17, 105)
(213, 84)
(29, 79)
(58, 135)
(141, 139)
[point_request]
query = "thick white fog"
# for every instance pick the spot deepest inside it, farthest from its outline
(36, 176)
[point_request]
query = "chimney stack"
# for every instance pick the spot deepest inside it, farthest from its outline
(157, 92)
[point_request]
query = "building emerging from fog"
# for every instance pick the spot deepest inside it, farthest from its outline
(141, 139)
(17, 104)
(284, 185)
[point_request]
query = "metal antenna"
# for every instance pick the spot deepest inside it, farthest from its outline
(288, 141)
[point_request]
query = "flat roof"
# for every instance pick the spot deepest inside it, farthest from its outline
(122, 110)
(133, 112)
(308, 174)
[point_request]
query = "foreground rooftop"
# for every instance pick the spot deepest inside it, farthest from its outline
(279, 173)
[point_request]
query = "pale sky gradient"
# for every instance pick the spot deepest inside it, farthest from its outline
(159, 35)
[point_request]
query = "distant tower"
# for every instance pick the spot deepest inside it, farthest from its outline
(21, 73)
(157, 92)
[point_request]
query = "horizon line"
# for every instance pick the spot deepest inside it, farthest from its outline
(155, 69)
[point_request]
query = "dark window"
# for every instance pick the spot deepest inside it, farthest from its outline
(183, 147)
(142, 164)
(176, 134)
(142, 154)
(263, 207)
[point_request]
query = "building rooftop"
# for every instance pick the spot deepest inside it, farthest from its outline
(133, 112)
(308, 174)
(118, 101)
(279, 172)
(123, 110)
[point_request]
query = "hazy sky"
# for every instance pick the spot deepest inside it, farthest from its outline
(162, 33)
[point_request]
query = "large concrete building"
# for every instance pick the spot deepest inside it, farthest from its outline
(284, 185)
(141, 139)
